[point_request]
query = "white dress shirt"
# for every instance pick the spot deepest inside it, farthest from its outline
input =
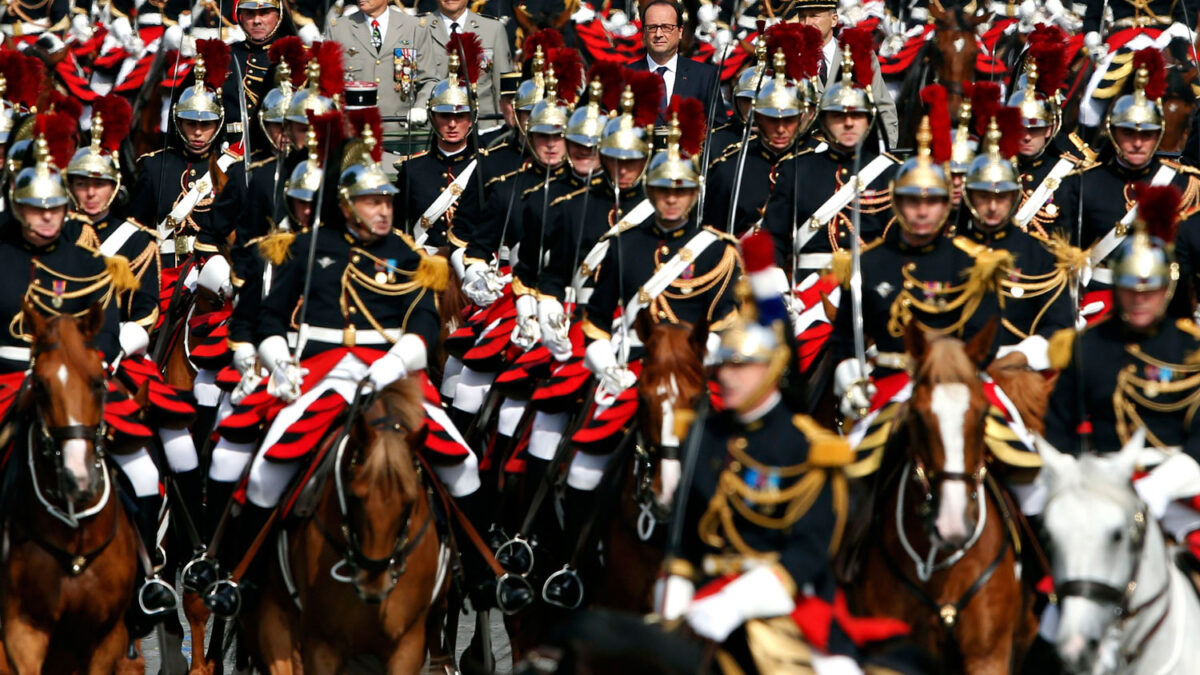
(668, 76)
(461, 21)
(383, 23)
(833, 65)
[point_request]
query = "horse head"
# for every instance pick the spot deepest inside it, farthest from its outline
(1179, 101)
(380, 490)
(955, 48)
(947, 414)
(1101, 540)
(67, 386)
(671, 379)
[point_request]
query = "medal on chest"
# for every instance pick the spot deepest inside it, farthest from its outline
(59, 287)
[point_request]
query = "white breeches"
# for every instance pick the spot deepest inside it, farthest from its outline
(141, 471)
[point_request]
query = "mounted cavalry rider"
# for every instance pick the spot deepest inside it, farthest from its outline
(370, 318)
(1042, 163)
(440, 188)
(809, 212)
(40, 254)
(1035, 295)
(913, 273)
(263, 22)
(1137, 369)
(1097, 200)
(766, 509)
(783, 111)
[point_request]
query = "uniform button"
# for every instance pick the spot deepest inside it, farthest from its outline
(844, 172)
(355, 258)
(665, 250)
(377, 80)
(37, 282)
(192, 172)
(353, 310)
(377, 62)
(662, 314)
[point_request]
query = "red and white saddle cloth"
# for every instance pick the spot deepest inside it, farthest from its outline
(810, 321)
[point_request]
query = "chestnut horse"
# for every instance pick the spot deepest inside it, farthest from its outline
(672, 379)
(366, 569)
(943, 561)
(71, 564)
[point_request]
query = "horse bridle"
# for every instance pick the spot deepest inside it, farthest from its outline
(353, 558)
(926, 478)
(650, 512)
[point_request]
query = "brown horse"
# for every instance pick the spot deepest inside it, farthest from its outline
(1179, 102)
(71, 566)
(672, 378)
(942, 560)
(366, 569)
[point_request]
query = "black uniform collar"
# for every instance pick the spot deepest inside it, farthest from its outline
(458, 158)
(896, 238)
(1028, 163)
(979, 235)
(1128, 173)
(763, 150)
(678, 232)
(837, 154)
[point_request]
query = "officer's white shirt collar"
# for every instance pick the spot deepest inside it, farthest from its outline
(382, 19)
(830, 51)
(672, 67)
(461, 21)
(762, 409)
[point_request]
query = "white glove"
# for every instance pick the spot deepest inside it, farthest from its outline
(712, 344)
(417, 117)
(81, 27)
(1178, 477)
(172, 37)
(552, 318)
(286, 373)
(309, 34)
(1035, 348)
(214, 275)
(1086, 311)
(614, 378)
(526, 333)
(756, 594)
(408, 355)
(1095, 46)
(244, 358)
(481, 285)
(853, 387)
(133, 338)
(672, 596)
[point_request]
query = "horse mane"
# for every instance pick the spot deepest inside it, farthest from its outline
(946, 361)
(668, 353)
(388, 461)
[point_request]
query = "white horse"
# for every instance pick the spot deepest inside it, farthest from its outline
(1124, 607)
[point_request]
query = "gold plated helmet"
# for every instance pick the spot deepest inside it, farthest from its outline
(450, 95)
(276, 101)
(111, 115)
(202, 102)
(309, 99)
(623, 137)
(586, 125)
(361, 173)
(40, 185)
(1141, 109)
(8, 112)
(750, 79)
(1037, 110)
(779, 98)
(920, 175)
(549, 116)
(532, 90)
(92, 161)
(991, 171)
(305, 181)
(669, 168)
(962, 149)
(852, 91)
(1144, 261)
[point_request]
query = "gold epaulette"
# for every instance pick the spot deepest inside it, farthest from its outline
(826, 449)
(276, 247)
(722, 234)
(730, 150)
(424, 20)
(625, 226)
(1089, 155)
(433, 271)
(1188, 326)
(892, 157)
(532, 190)
(568, 196)
(504, 176)
(150, 154)
(405, 158)
(969, 247)
(261, 162)
(1061, 344)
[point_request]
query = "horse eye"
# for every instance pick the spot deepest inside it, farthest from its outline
(1117, 535)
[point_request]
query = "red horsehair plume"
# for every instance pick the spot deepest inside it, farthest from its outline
(60, 102)
(217, 56)
(58, 128)
(1152, 60)
(328, 128)
(568, 71)
(691, 123)
(758, 251)
(1158, 208)
(811, 52)
(117, 116)
(985, 103)
(648, 93)
(1009, 121)
(940, 145)
(1048, 49)
(360, 119)
(25, 77)
(290, 50)
(612, 82)
(469, 49)
(333, 67)
(862, 49)
(546, 38)
(787, 37)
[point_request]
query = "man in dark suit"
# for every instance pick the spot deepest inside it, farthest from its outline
(662, 30)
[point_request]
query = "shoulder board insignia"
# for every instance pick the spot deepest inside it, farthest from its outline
(969, 247)
(261, 162)
(568, 196)
(424, 20)
(503, 177)
(722, 234)
(1185, 168)
(531, 190)
(230, 153)
(625, 226)
(150, 154)
(871, 245)
(1189, 326)
(1081, 147)
(825, 448)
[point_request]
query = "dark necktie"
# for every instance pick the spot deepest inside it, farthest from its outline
(376, 36)
(662, 75)
(824, 71)
(454, 28)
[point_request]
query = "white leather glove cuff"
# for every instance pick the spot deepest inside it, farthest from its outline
(457, 262)
(760, 593)
(214, 276)
(598, 357)
(1178, 477)
(273, 352)
(133, 338)
(672, 595)
(1035, 348)
(244, 357)
(309, 34)
(418, 116)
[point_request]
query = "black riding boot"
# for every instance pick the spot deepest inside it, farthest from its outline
(202, 571)
(564, 587)
(154, 596)
(225, 597)
(484, 589)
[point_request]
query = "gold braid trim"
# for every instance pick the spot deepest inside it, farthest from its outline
(1134, 392)
(982, 278)
(354, 279)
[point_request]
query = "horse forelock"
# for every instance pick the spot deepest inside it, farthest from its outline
(669, 354)
(388, 460)
(946, 362)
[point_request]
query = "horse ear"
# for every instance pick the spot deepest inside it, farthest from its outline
(915, 342)
(699, 337)
(1124, 462)
(93, 321)
(642, 324)
(976, 20)
(35, 323)
(980, 346)
(1055, 465)
(936, 10)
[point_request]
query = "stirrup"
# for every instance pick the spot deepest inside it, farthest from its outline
(141, 598)
(561, 579)
(512, 551)
(216, 588)
(195, 569)
(513, 584)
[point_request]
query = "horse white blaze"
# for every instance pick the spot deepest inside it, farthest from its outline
(74, 450)
(950, 403)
